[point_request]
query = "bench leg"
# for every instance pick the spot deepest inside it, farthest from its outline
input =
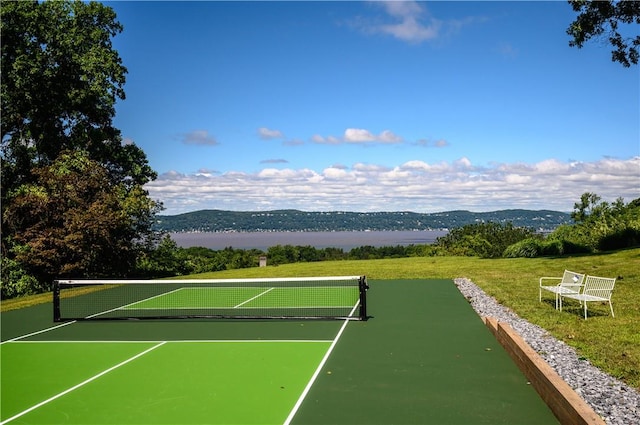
(611, 307)
(560, 303)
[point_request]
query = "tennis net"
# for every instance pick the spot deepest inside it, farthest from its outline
(334, 297)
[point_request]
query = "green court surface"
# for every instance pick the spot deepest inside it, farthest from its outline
(423, 357)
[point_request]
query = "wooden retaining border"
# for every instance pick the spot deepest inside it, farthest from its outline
(564, 402)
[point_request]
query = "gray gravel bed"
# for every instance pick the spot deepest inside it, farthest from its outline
(616, 402)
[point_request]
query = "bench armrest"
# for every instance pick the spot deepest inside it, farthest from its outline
(550, 278)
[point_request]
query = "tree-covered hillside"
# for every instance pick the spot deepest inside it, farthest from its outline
(297, 221)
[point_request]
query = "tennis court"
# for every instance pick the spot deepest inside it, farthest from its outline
(422, 357)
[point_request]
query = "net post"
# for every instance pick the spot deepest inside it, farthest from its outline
(362, 284)
(56, 301)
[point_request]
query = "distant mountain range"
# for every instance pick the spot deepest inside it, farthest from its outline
(302, 221)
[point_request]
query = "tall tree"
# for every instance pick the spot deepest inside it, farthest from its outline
(61, 78)
(588, 204)
(599, 19)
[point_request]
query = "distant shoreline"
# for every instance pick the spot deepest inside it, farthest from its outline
(299, 221)
(345, 240)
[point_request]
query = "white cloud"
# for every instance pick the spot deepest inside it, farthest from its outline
(389, 137)
(205, 172)
(329, 140)
(369, 168)
(412, 30)
(410, 22)
(463, 163)
(198, 137)
(359, 136)
(335, 173)
(269, 134)
(412, 186)
(417, 165)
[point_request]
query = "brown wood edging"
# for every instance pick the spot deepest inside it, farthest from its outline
(564, 402)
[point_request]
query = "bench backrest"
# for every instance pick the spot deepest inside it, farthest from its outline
(572, 278)
(599, 286)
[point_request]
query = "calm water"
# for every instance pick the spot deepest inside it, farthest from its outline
(344, 240)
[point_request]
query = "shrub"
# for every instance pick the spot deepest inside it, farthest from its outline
(527, 248)
(486, 240)
(535, 247)
(16, 282)
(551, 247)
(623, 238)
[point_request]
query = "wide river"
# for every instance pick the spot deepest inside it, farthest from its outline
(344, 240)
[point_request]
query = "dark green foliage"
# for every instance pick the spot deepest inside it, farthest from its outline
(527, 248)
(485, 240)
(552, 247)
(332, 254)
(16, 281)
(623, 238)
(162, 260)
(283, 254)
(194, 260)
(538, 247)
(73, 222)
(602, 225)
(73, 202)
(61, 79)
(608, 21)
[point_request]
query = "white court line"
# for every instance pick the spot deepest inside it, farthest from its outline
(319, 368)
(88, 317)
(38, 332)
(251, 299)
(288, 307)
(75, 387)
(216, 341)
(123, 307)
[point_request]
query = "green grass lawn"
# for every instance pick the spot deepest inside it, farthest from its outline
(612, 344)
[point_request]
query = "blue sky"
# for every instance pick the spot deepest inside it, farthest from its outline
(374, 106)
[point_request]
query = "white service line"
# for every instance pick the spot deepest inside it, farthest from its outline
(319, 368)
(75, 387)
(251, 299)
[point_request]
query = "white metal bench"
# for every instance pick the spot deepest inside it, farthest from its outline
(569, 283)
(595, 289)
